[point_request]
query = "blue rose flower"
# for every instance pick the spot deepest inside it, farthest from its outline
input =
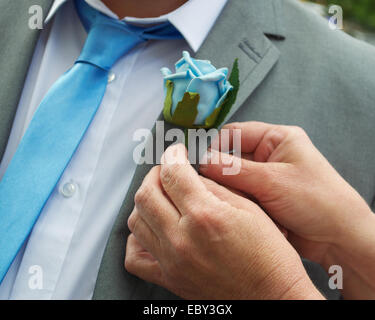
(195, 93)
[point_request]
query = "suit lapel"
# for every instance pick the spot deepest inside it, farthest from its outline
(17, 45)
(238, 33)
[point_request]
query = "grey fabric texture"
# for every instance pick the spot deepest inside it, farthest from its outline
(17, 43)
(293, 70)
(300, 73)
(225, 43)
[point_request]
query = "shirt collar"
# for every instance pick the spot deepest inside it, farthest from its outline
(193, 20)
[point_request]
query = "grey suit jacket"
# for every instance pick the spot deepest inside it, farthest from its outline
(293, 70)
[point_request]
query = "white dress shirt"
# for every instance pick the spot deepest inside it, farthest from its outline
(61, 258)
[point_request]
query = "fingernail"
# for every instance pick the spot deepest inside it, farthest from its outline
(175, 154)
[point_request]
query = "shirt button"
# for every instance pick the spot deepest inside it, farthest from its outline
(111, 77)
(68, 189)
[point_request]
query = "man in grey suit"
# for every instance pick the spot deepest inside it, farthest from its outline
(293, 70)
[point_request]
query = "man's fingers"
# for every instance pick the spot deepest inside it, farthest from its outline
(141, 263)
(237, 199)
(144, 234)
(257, 138)
(154, 205)
(253, 178)
(180, 181)
(233, 197)
(252, 133)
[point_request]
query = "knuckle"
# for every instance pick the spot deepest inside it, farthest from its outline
(298, 131)
(129, 263)
(133, 223)
(246, 171)
(203, 218)
(194, 209)
(270, 176)
(275, 135)
(142, 194)
(208, 218)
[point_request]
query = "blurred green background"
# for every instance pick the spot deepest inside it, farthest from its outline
(359, 16)
(361, 12)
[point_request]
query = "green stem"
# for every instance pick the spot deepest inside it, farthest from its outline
(186, 131)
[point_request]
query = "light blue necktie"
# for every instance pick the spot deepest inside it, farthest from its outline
(59, 124)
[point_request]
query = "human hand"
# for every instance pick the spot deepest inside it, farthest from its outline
(295, 184)
(327, 220)
(201, 241)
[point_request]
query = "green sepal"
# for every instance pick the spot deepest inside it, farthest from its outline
(186, 110)
(228, 103)
(167, 110)
(212, 118)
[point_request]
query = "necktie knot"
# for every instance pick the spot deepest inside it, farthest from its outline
(106, 44)
(109, 39)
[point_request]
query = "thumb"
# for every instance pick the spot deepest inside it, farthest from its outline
(258, 179)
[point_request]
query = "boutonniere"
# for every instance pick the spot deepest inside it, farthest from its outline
(198, 95)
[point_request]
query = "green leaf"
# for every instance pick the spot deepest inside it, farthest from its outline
(168, 101)
(228, 103)
(211, 119)
(187, 110)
